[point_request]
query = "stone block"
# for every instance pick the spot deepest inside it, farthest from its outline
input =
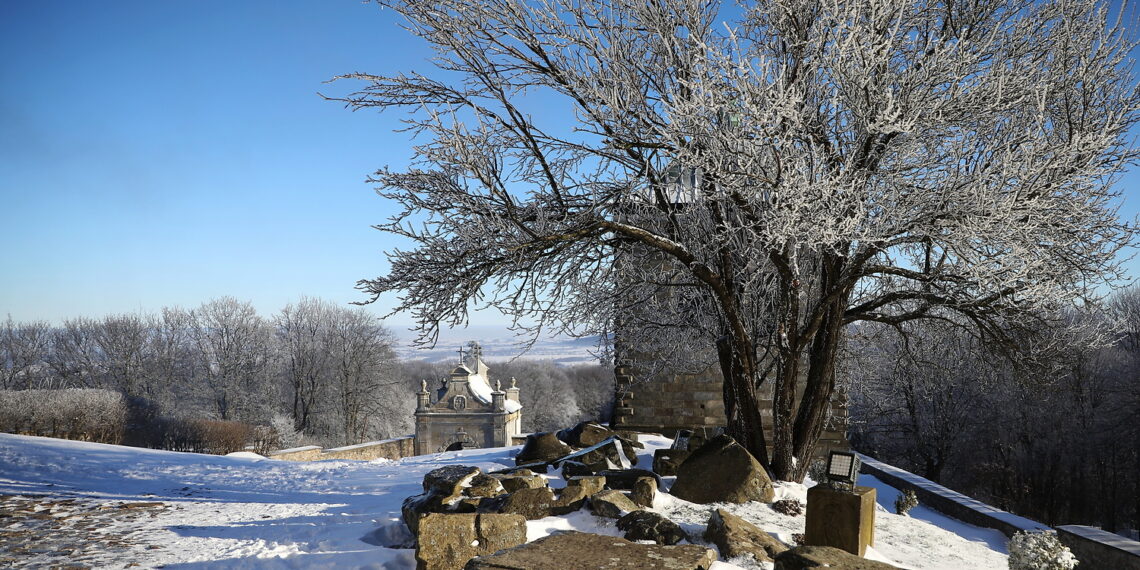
(840, 519)
(644, 490)
(611, 504)
(448, 541)
(805, 557)
(591, 483)
(597, 552)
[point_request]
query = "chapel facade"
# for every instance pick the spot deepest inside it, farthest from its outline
(467, 412)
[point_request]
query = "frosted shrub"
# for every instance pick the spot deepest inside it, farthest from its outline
(286, 435)
(817, 471)
(906, 501)
(74, 413)
(1039, 551)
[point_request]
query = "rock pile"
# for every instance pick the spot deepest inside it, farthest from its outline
(469, 519)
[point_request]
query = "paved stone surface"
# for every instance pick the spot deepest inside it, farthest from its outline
(71, 533)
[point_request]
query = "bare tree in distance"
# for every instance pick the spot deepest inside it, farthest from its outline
(75, 359)
(233, 344)
(302, 329)
(801, 167)
(24, 349)
(365, 386)
(123, 342)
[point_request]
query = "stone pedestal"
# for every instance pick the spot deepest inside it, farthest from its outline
(841, 519)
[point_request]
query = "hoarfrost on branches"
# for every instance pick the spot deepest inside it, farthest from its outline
(764, 181)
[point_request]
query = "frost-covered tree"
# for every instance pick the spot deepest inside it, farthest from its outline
(790, 166)
(364, 386)
(232, 344)
(122, 341)
(302, 331)
(24, 348)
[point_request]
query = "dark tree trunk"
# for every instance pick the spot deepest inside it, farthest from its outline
(741, 401)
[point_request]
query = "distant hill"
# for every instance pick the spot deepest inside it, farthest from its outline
(499, 344)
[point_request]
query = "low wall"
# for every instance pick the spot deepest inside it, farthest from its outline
(386, 449)
(948, 501)
(1096, 548)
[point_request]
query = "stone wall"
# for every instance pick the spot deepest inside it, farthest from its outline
(949, 502)
(386, 449)
(436, 431)
(669, 402)
(1096, 548)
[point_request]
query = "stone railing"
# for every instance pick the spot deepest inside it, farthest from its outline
(949, 502)
(1096, 548)
(387, 449)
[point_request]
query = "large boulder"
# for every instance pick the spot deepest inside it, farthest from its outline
(581, 550)
(648, 525)
(803, 557)
(735, 536)
(611, 504)
(448, 541)
(541, 448)
(722, 471)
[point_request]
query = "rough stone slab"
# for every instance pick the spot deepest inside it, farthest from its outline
(449, 481)
(591, 483)
(530, 503)
(735, 536)
(803, 557)
(512, 483)
(448, 541)
(578, 550)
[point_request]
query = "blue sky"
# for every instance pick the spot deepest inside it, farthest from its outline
(159, 153)
(163, 153)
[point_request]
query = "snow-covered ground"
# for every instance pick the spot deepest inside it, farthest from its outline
(107, 506)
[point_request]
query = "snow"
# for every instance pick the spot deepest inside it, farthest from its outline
(968, 502)
(245, 511)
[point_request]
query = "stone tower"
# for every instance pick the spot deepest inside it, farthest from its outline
(467, 411)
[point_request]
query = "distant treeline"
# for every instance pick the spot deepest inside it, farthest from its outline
(1053, 434)
(314, 373)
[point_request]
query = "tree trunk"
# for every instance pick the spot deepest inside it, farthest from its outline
(741, 402)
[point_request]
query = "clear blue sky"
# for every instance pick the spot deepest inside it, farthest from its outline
(157, 153)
